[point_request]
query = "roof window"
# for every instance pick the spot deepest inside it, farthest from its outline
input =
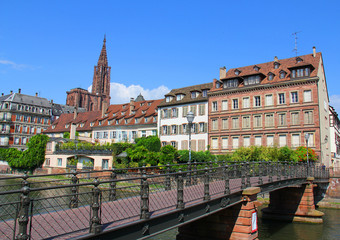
(276, 65)
(237, 72)
(282, 74)
(256, 68)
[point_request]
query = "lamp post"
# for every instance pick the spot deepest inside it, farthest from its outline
(306, 138)
(190, 118)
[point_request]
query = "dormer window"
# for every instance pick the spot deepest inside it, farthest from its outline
(126, 121)
(282, 74)
(146, 119)
(149, 104)
(154, 119)
(53, 126)
(194, 94)
(124, 106)
(252, 80)
(270, 76)
(218, 85)
(168, 98)
(100, 123)
(123, 113)
(237, 72)
(230, 83)
(91, 124)
(298, 60)
(276, 65)
(82, 125)
(300, 72)
(67, 125)
(179, 97)
(205, 93)
(117, 121)
(136, 120)
(141, 104)
(256, 68)
(113, 115)
(143, 112)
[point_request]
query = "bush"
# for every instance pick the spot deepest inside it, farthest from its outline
(301, 153)
(169, 155)
(287, 154)
(152, 143)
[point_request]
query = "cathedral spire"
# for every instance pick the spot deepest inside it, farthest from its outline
(102, 61)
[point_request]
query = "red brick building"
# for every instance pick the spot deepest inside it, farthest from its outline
(271, 104)
(100, 95)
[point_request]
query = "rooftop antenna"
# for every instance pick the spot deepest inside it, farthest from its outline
(295, 37)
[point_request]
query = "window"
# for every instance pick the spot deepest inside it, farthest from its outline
(245, 102)
(193, 109)
(185, 129)
(134, 134)
(225, 123)
(47, 161)
(270, 140)
(113, 134)
(214, 124)
(136, 120)
(165, 130)
(282, 119)
(307, 95)
(201, 127)
(276, 65)
(201, 109)
(174, 144)
(308, 117)
(105, 135)
(174, 112)
(257, 121)
(214, 143)
(311, 140)
(174, 129)
(218, 85)
(214, 106)
(168, 98)
(16, 141)
(269, 121)
(17, 128)
(281, 98)
(224, 142)
(237, 72)
(60, 162)
(282, 74)
(235, 103)
(230, 83)
(105, 164)
(258, 140)
(205, 93)
(224, 105)
(194, 94)
(153, 132)
(295, 118)
(294, 97)
(295, 140)
(26, 119)
(166, 113)
(17, 117)
(246, 122)
(252, 80)
(185, 111)
(269, 100)
(282, 140)
(235, 142)
(257, 101)
(32, 130)
(300, 72)
(246, 141)
(270, 76)
(235, 123)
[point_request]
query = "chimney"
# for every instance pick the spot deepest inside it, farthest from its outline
(36, 94)
(223, 72)
(73, 131)
(104, 108)
(19, 91)
(132, 104)
(52, 101)
(2, 94)
(75, 113)
(276, 59)
(11, 92)
(314, 51)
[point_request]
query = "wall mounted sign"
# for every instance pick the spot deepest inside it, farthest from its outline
(254, 221)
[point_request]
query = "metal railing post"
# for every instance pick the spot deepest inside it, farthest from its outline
(278, 170)
(167, 178)
(248, 174)
(194, 181)
(113, 186)
(206, 185)
(226, 180)
(144, 208)
(270, 171)
(180, 191)
(260, 165)
(243, 176)
(23, 211)
(95, 224)
(74, 190)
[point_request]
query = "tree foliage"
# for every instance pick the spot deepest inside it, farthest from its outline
(152, 143)
(301, 153)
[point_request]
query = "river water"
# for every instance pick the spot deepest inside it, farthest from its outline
(276, 230)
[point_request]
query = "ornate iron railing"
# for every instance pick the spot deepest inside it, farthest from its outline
(82, 203)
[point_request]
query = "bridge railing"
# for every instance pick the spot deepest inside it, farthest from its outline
(76, 203)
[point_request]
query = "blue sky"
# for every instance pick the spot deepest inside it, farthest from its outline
(50, 47)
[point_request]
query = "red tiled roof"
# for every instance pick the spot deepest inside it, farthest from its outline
(59, 125)
(266, 68)
(142, 110)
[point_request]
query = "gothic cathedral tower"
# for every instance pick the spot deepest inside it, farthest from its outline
(99, 98)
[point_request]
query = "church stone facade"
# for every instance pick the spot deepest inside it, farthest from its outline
(99, 97)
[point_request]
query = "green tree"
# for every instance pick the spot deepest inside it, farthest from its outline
(152, 143)
(169, 155)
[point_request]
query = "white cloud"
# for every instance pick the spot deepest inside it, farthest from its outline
(335, 102)
(121, 93)
(14, 65)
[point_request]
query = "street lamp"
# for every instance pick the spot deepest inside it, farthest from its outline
(306, 138)
(190, 118)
